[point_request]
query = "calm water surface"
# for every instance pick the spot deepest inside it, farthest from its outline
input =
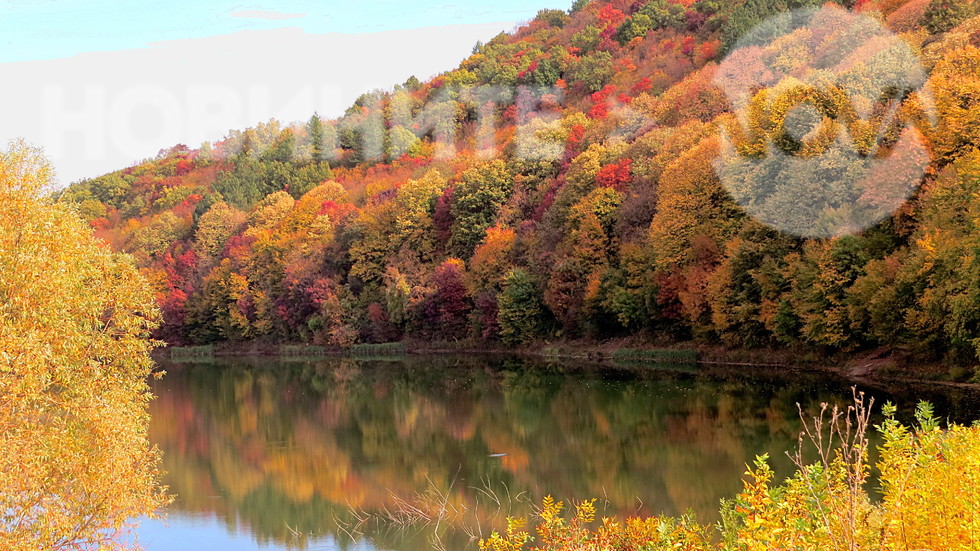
(268, 454)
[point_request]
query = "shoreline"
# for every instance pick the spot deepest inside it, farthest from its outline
(875, 367)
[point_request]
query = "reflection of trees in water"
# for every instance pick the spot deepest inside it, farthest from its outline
(295, 446)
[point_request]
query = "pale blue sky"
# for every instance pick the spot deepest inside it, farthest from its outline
(49, 29)
(100, 84)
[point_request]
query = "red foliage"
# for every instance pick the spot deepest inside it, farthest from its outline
(611, 16)
(442, 218)
(573, 145)
(668, 295)
(486, 306)
(186, 207)
(510, 114)
(643, 86)
(379, 327)
(238, 247)
(687, 45)
(183, 167)
(600, 104)
(446, 308)
(376, 313)
(338, 213)
(173, 308)
(549, 198)
(616, 175)
(708, 51)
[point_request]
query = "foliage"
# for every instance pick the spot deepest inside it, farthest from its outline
(477, 198)
(600, 181)
(76, 467)
(656, 355)
(928, 476)
(521, 312)
(942, 15)
(379, 349)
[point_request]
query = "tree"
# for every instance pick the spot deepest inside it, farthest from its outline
(578, 5)
(594, 70)
(942, 15)
(954, 82)
(692, 203)
(205, 154)
(445, 309)
(477, 199)
(153, 240)
(634, 27)
(215, 226)
(76, 466)
(314, 131)
(554, 18)
(521, 313)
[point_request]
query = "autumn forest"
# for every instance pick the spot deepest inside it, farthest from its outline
(560, 184)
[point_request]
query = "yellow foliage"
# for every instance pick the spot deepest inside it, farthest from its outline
(930, 478)
(76, 465)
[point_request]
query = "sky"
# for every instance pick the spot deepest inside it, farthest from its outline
(102, 84)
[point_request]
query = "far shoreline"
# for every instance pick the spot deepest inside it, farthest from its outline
(881, 366)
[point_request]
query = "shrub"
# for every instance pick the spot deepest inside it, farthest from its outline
(930, 480)
(380, 349)
(658, 355)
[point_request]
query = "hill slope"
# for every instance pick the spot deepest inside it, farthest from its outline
(564, 181)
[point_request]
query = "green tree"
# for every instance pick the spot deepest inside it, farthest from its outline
(633, 27)
(594, 70)
(521, 313)
(314, 132)
(477, 199)
(942, 15)
(205, 154)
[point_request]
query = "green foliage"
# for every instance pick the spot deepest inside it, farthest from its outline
(477, 199)
(593, 70)
(302, 351)
(586, 40)
(184, 352)
(521, 312)
(744, 17)
(942, 15)
(634, 27)
(554, 18)
(664, 14)
(378, 349)
(154, 239)
(662, 355)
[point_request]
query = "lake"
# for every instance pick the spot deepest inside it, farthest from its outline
(421, 452)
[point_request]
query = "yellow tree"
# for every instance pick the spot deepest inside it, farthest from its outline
(75, 463)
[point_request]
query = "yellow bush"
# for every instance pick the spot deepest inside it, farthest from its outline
(930, 478)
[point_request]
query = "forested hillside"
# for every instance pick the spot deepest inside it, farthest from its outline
(563, 182)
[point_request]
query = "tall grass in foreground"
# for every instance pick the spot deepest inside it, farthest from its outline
(930, 478)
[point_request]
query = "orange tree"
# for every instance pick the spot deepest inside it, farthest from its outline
(76, 466)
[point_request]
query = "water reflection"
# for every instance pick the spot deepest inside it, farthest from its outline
(295, 454)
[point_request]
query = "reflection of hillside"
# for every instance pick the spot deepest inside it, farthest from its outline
(296, 445)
